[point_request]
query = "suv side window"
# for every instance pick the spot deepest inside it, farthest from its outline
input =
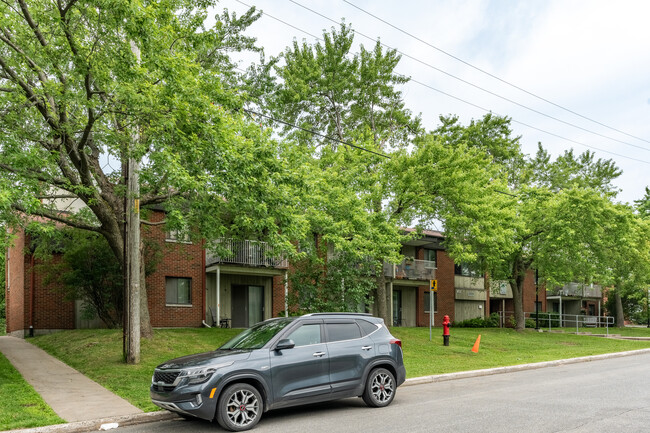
(342, 331)
(367, 327)
(307, 334)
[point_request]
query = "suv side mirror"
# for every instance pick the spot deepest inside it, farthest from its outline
(285, 344)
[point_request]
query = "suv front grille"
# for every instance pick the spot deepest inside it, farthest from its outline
(166, 378)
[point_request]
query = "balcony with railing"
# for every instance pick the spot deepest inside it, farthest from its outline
(578, 290)
(411, 270)
(246, 253)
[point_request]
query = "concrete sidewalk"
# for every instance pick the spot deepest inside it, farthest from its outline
(69, 393)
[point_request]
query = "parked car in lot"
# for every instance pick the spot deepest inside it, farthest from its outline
(284, 362)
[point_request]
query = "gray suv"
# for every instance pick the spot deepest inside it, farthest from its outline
(284, 362)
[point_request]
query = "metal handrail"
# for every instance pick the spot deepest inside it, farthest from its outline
(562, 319)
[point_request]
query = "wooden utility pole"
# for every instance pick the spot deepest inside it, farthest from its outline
(133, 249)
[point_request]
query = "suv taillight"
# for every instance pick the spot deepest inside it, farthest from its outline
(396, 341)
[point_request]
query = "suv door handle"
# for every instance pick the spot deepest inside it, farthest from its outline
(366, 348)
(319, 354)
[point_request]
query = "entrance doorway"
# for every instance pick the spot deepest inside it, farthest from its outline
(247, 305)
(397, 307)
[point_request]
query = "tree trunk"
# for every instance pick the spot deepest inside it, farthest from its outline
(133, 260)
(382, 304)
(517, 285)
(145, 323)
(620, 317)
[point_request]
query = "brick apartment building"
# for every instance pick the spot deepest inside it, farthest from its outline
(191, 287)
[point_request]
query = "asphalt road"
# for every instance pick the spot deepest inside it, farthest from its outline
(610, 395)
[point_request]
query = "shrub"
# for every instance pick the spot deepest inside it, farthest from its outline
(544, 319)
(478, 322)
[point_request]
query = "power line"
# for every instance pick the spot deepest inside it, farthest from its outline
(494, 76)
(529, 126)
(469, 83)
(449, 95)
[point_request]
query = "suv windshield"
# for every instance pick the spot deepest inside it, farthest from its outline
(258, 335)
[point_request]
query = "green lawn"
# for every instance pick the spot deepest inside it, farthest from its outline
(102, 355)
(21, 406)
(102, 352)
(499, 347)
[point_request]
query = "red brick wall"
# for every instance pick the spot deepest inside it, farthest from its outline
(278, 295)
(446, 292)
(177, 260)
(46, 310)
(529, 293)
(15, 285)
(51, 310)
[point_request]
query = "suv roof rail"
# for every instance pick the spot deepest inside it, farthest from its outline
(338, 314)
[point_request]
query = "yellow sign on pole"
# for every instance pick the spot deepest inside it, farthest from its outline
(434, 285)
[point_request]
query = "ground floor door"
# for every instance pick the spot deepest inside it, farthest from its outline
(247, 305)
(397, 307)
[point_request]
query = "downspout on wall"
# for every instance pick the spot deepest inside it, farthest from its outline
(32, 285)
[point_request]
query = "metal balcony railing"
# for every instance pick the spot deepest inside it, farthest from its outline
(248, 253)
(578, 290)
(411, 270)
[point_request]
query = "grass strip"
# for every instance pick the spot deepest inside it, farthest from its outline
(498, 348)
(21, 406)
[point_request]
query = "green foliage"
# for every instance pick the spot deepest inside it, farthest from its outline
(545, 318)
(351, 96)
(492, 321)
(339, 283)
(87, 86)
(643, 204)
(508, 213)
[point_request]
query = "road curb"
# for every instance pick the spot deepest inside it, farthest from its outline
(96, 424)
(513, 368)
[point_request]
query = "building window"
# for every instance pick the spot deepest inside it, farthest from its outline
(538, 306)
(427, 302)
(430, 257)
(178, 291)
(466, 270)
(178, 236)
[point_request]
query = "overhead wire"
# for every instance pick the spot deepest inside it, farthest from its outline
(492, 75)
(449, 94)
(469, 83)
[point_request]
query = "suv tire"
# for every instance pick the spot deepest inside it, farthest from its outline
(380, 388)
(240, 407)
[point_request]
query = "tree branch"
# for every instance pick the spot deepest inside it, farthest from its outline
(32, 24)
(58, 218)
(37, 175)
(30, 94)
(149, 199)
(65, 10)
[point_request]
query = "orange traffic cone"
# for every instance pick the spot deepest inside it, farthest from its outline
(477, 344)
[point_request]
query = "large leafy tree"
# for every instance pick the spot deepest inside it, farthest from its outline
(86, 85)
(508, 213)
(626, 258)
(339, 97)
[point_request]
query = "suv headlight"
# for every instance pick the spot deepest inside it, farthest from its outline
(199, 375)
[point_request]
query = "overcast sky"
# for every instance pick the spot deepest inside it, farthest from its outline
(590, 57)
